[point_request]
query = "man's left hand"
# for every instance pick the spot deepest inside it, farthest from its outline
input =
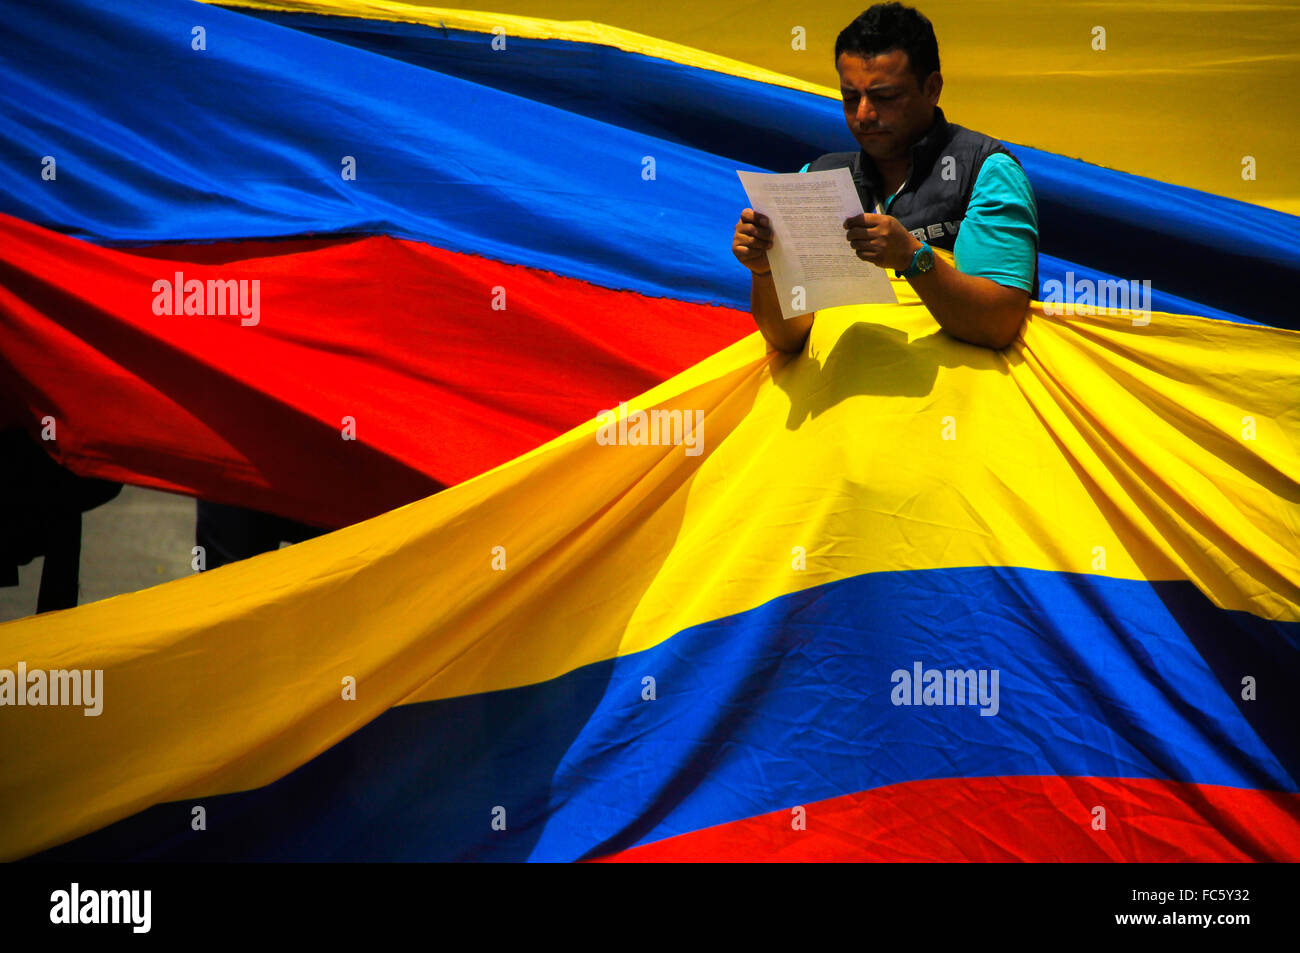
(881, 240)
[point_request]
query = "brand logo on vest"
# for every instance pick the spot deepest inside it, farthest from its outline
(937, 230)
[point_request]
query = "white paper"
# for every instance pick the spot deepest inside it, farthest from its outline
(806, 211)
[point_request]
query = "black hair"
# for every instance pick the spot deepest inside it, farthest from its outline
(892, 26)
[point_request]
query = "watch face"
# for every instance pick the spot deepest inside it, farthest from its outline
(925, 260)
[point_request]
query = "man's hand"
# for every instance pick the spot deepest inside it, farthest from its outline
(881, 240)
(750, 243)
(971, 309)
(752, 239)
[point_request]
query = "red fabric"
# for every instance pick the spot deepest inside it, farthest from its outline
(1008, 819)
(396, 334)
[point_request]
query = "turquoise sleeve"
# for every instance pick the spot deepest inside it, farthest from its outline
(998, 238)
(805, 167)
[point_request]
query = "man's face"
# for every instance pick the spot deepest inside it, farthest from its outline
(885, 108)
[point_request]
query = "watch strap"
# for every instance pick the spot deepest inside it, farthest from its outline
(911, 270)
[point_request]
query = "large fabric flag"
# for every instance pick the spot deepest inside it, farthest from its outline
(704, 625)
(896, 597)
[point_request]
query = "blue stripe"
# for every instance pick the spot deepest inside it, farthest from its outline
(787, 704)
(1051, 268)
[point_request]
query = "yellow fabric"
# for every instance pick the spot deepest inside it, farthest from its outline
(1089, 436)
(1182, 92)
(531, 27)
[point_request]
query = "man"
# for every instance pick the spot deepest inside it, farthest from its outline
(41, 503)
(924, 181)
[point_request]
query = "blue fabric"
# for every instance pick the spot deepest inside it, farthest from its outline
(998, 238)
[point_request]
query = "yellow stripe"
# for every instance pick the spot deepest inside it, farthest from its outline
(1092, 438)
(533, 28)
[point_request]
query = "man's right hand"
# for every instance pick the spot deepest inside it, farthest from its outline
(752, 240)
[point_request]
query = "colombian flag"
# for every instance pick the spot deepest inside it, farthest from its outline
(894, 598)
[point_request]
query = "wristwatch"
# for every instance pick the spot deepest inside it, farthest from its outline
(922, 261)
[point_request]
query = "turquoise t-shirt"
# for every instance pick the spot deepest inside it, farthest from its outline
(998, 238)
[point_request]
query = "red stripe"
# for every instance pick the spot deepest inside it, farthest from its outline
(399, 335)
(1008, 819)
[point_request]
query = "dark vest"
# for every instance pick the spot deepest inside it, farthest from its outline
(933, 200)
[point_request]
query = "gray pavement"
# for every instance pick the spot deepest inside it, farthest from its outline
(140, 539)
